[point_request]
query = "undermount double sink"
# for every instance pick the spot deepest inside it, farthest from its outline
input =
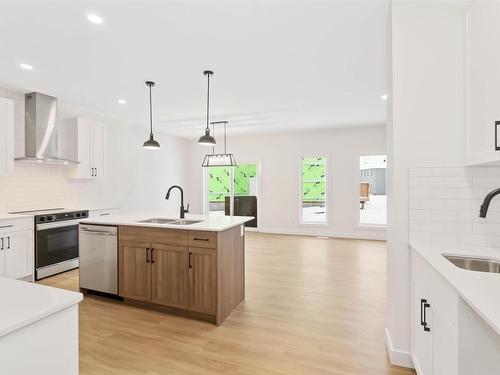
(475, 264)
(170, 221)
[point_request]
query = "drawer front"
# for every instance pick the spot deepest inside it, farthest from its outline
(12, 225)
(173, 237)
(203, 239)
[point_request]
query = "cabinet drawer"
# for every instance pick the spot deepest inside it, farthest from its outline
(203, 239)
(173, 237)
(11, 225)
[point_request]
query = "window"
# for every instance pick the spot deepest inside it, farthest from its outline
(313, 190)
(373, 190)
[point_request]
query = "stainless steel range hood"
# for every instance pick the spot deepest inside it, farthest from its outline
(41, 142)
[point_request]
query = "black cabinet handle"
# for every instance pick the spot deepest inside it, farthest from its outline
(152, 255)
(200, 239)
(96, 171)
(426, 328)
(190, 253)
(147, 255)
(422, 301)
(8, 243)
(1, 247)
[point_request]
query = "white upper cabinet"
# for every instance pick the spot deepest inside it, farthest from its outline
(84, 140)
(6, 137)
(483, 81)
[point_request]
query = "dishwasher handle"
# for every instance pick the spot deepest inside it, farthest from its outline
(111, 232)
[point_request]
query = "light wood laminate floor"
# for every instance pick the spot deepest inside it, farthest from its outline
(313, 306)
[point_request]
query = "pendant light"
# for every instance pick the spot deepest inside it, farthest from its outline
(219, 160)
(207, 139)
(151, 143)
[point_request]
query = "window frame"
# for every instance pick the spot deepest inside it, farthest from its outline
(373, 226)
(325, 223)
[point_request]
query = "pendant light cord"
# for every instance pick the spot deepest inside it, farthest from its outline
(208, 100)
(225, 151)
(150, 112)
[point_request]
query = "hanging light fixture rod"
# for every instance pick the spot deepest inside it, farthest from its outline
(151, 143)
(207, 139)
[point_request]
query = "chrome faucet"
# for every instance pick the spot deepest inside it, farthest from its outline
(182, 210)
(486, 202)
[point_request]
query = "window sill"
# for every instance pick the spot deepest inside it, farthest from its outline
(373, 226)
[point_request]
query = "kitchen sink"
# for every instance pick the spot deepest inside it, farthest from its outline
(171, 221)
(475, 264)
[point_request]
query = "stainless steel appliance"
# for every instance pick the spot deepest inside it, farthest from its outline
(56, 241)
(41, 132)
(99, 258)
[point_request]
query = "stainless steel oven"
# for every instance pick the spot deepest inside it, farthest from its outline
(56, 242)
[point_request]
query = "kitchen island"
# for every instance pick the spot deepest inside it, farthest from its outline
(193, 267)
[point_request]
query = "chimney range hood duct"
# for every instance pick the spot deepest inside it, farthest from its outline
(40, 130)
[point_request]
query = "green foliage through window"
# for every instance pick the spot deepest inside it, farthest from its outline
(219, 181)
(313, 179)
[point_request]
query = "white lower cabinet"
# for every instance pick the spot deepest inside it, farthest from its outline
(433, 321)
(16, 249)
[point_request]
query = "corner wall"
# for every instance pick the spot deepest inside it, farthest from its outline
(426, 127)
(279, 181)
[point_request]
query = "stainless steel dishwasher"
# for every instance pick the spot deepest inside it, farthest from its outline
(99, 258)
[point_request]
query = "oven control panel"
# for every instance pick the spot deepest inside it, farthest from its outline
(62, 216)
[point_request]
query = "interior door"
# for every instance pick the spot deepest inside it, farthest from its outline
(98, 138)
(170, 276)
(202, 280)
(135, 271)
(18, 254)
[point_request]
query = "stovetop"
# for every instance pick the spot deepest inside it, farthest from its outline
(54, 214)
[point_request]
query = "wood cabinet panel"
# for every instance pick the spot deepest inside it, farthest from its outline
(172, 237)
(170, 274)
(202, 280)
(135, 271)
(203, 239)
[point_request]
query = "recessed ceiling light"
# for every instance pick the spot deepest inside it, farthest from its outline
(122, 101)
(384, 97)
(94, 18)
(26, 66)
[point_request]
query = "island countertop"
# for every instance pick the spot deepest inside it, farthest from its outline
(212, 223)
(24, 303)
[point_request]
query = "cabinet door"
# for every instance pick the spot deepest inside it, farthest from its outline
(202, 280)
(6, 137)
(98, 145)
(18, 248)
(135, 271)
(2, 255)
(421, 339)
(84, 148)
(170, 275)
(444, 344)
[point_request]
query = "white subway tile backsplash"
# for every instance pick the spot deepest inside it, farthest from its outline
(444, 205)
(420, 172)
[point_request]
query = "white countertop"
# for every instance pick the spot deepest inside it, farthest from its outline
(479, 289)
(208, 223)
(24, 303)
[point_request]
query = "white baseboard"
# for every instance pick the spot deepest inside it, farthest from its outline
(397, 357)
(377, 235)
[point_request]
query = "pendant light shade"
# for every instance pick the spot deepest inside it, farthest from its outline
(151, 143)
(206, 139)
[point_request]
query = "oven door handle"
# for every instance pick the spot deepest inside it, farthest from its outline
(59, 224)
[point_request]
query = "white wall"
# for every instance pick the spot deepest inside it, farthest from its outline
(138, 179)
(279, 155)
(426, 127)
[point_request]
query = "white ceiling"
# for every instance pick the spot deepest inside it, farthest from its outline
(278, 64)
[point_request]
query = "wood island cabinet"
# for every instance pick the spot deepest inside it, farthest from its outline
(198, 274)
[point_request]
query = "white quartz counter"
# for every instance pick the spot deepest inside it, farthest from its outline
(479, 289)
(207, 223)
(24, 303)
